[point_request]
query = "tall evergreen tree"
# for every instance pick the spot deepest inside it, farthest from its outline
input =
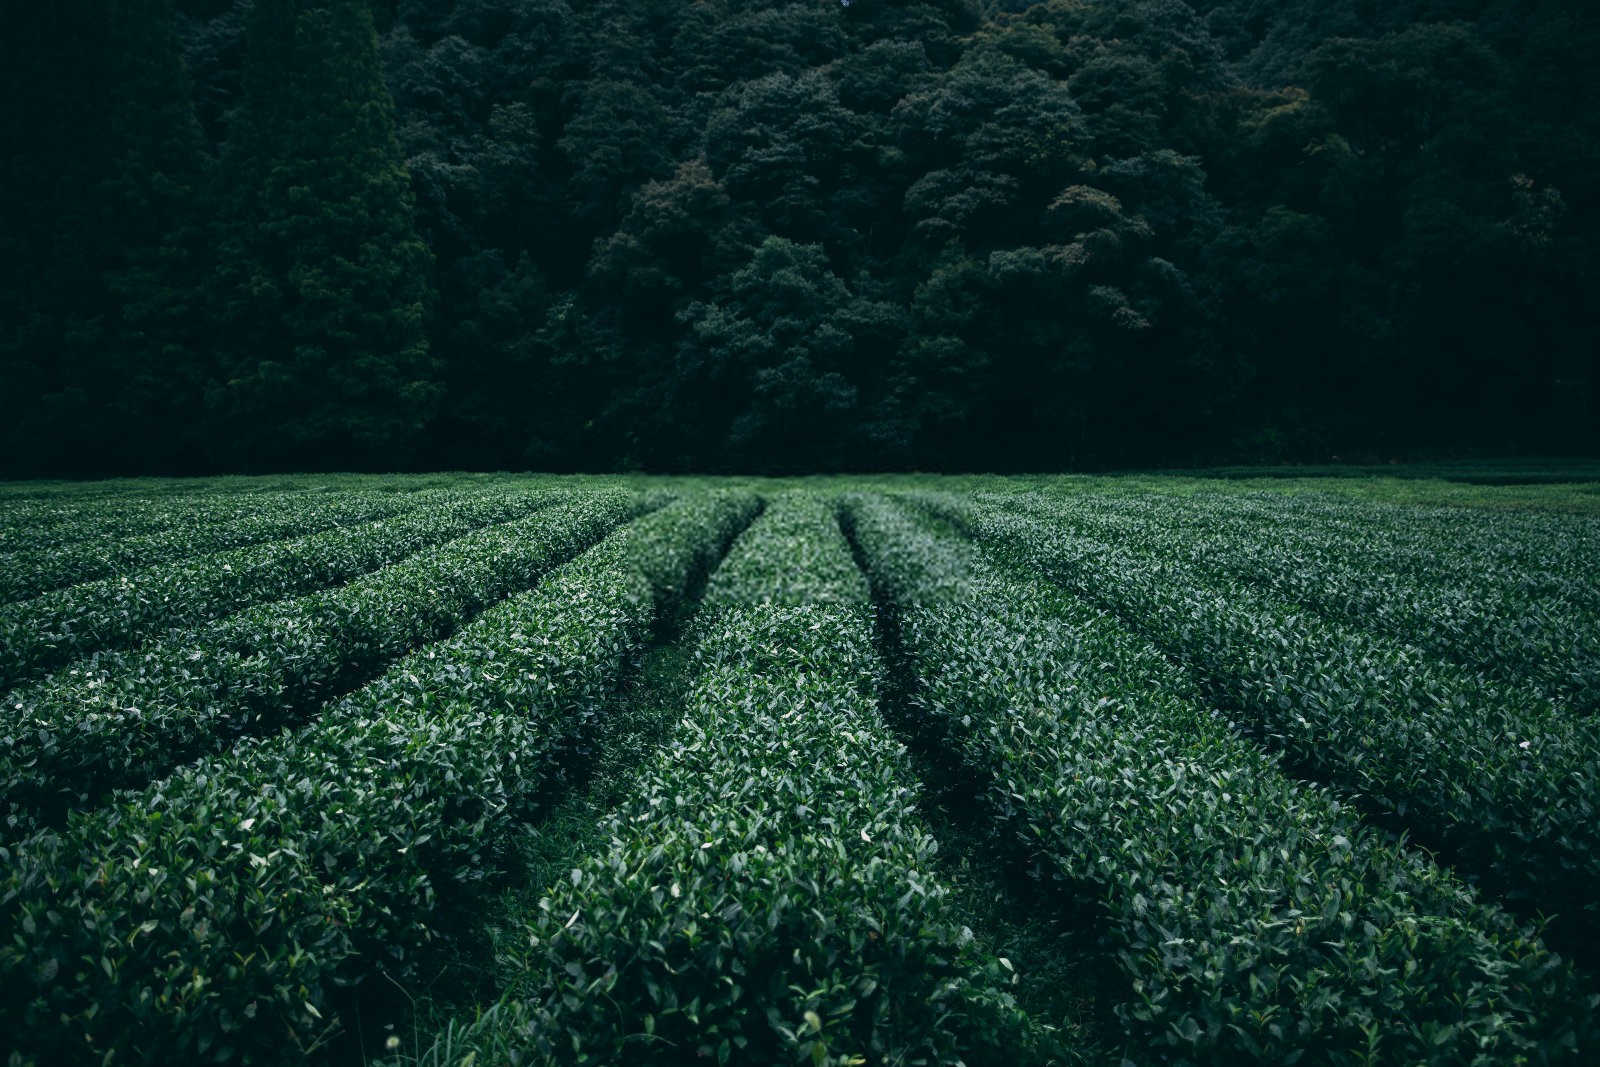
(324, 281)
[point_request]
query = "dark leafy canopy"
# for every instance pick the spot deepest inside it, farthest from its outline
(787, 236)
(321, 279)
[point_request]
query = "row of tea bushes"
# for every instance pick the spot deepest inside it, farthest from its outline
(1539, 555)
(1505, 784)
(58, 627)
(767, 899)
(1540, 542)
(1536, 542)
(67, 516)
(75, 559)
(125, 718)
(1255, 918)
(1514, 627)
(223, 913)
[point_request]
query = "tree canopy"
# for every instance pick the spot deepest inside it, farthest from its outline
(781, 236)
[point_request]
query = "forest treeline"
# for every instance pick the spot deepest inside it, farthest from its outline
(794, 235)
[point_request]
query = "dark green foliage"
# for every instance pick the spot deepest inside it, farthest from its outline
(1199, 727)
(768, 370)
(30, 572)
(1256, 919)
(54, 628)
(766, 897)
(343, 850)
(1072, 232)
(322, 281)
(120, 720)
(1500, 780)
(1408, 579)
(99, 236)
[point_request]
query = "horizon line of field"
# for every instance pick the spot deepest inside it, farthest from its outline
(1405, 617)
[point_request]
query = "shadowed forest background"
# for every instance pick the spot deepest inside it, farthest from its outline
(777, 236)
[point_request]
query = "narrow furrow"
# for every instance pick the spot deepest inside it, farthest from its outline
(337, 851)
(1255, 918)
(50, 630)
(127, 718)
(767, 897)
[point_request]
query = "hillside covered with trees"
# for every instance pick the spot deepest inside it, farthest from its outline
(794, 235)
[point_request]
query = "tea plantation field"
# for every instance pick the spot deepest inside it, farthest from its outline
(466, 769)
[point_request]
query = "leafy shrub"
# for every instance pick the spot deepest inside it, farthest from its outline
(125, 718)
(1523, 622)
(1504, 785)
(767, 899)
(331, 850)
(84, 555)
(57, 627)
(1256, 918)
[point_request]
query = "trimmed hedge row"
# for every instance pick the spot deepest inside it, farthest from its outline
(1540, 542)
(49, 630)
(1506, 785)
(331, 850)
(1255, 918)
(27, 525)
(67, 561)
(1533, 555)
(70, 513)
(766, 900)
(125, 718)
(1514, 627)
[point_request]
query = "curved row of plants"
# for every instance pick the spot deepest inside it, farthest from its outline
(1513, 627)
(1504, 783)
(767, 898)
(55, 628)
(85, 556)
(1554, 551)
(70, 514)
(339, 852)
(124, 718)
(1535, 554)
(1255, 918)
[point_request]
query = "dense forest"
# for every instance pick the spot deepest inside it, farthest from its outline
(794, 235)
